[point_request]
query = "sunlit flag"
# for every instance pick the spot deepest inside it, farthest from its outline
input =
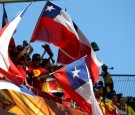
(56, 27)
(91, 59)
(75, 80)
(7, 68)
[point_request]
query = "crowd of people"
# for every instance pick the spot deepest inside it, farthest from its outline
(36, 70)
(109, 100)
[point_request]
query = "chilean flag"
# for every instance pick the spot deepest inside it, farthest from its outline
(18, 88)
(75, 80)
(7, 68)
(55, 26)
(4, 22)
(91, 60)
(4, 18)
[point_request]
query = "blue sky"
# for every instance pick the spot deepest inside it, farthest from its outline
(109, 23)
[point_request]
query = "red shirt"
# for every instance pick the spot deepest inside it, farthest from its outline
(36, 72)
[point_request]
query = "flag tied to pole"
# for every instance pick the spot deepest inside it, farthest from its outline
(75, 80)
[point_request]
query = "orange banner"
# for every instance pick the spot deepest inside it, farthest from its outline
(24, 104)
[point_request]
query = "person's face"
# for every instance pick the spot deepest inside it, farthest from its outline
(104, 68)
(122, 101)
(19, 48)
(36, 62)
(115, 98)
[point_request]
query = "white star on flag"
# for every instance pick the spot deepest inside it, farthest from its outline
(49, 8)
(75, 73)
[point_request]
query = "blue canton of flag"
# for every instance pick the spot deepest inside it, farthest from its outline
(55, 10)
(77, 74)
(25, 90)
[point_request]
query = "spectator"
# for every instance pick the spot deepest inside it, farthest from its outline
(124, 108)
(107, 79)
(36, 71)
(114, 102)
(107, 108)
(102, 90)
(94, 46)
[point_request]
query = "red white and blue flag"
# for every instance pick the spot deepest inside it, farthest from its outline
(18, 88)
(7, 68)
(4, 22)
(91, 60)
(4, 18)
(56, 27)
(75, 80)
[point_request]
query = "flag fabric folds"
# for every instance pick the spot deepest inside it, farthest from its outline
(75, 80)
(18, 88)
(7, 68)
(4, 22)
(4, 18)
(19, 100)
(56, 27)
(91, 60)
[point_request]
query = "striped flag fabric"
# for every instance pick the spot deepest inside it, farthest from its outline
(18, 88)
(4, 18)
(19, 100)
(7, 68)
(4, 22)
(74, 78)
(91, 59)
(56, 27)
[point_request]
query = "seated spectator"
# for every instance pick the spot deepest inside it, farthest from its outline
(114, 102)
(125, 109)
(102, 89)
(133, 105)
(107, 108)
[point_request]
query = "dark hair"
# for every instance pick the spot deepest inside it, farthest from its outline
(36, 56)
(19, 48)
(44, 62)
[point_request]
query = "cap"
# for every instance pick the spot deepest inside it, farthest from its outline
(95, 46)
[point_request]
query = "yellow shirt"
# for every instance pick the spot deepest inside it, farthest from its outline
(129, 109)
(107, 78)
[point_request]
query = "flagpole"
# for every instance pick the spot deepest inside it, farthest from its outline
(14, 1)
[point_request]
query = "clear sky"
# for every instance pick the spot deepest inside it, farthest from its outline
(109, 23)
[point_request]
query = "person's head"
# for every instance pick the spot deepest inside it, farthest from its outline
(104, 67)
(36, 59)
(114, 98)
(19, 48)
(94, 46)
(100, 84)
(96, 92)
(45, 62)
(122, 101)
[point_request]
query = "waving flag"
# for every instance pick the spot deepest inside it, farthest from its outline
(91, 60)
(5, 18)
(56, 27)
(7, 68)
(18, 88)
(4, 22)
(75, 80)
(19, 100)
